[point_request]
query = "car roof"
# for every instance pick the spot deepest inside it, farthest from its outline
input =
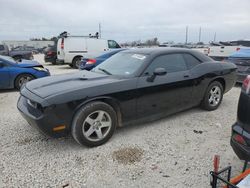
(160, 50)
(152, 51)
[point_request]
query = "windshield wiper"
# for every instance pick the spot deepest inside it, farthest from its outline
(105, 71)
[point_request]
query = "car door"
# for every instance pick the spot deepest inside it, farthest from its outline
(167, 93)
(4, 75)
(192, 64)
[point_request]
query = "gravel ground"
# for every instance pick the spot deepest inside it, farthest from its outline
(173, 152)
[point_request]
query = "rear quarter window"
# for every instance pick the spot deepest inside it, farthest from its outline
(191, 61)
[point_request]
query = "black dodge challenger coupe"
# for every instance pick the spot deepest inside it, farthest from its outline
(131, 86)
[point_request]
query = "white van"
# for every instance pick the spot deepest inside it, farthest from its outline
(70, 49)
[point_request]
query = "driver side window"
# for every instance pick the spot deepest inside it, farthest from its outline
(171, 62)
(113, 44)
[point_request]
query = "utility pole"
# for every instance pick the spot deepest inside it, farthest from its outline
(214, 36)
(200, 35)
(186, 34)
(100, 30)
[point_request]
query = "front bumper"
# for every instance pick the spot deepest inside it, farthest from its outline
(44, 120)
(242, 151)
(41, 74)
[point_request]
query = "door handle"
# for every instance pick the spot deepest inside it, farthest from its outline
(186, 75)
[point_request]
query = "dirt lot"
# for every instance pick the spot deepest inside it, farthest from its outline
(173, 152)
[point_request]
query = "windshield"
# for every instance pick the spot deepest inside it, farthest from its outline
(123, 64)
(7, 58)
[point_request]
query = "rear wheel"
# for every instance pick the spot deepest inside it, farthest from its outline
(53, 62)
(76, 62)
(94, 124)
(22, 79)
(213, 96)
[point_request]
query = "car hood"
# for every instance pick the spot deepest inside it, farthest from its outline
(74, 85)
(28, 63)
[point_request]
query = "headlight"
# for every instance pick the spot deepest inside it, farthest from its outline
(40, 69)
(32, 103)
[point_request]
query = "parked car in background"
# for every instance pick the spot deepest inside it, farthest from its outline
(16, 54)
(71, 49)
(241, 59)
(131, 86)
(14, 74)
(222, 52)
(26, 48)
(50, 54)
(88, 64)
(240, 139)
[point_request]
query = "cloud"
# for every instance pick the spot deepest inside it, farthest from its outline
(126, 20)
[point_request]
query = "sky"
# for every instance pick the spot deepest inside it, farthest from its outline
(127, 20)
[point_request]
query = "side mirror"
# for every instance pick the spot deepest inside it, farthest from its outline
(157, 72)
(160, 71)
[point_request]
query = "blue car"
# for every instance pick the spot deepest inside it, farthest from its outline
(88, 64)
(241, 59)
(14, 74)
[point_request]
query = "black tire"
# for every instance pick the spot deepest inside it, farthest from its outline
(26, 78)
(80, 122)
(215, 102)
(70, 65)
(75, 62)
(53, 62)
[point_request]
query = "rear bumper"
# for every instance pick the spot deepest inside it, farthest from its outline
(60, 61)
(50, 58)
(86, 67)
(242, 151)
(43, 121)
(241, 77)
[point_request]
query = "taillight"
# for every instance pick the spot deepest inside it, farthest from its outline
(62, 43)
(91, 62)
(49, 53)
(238, 138)
(237, 49)
(246, 84)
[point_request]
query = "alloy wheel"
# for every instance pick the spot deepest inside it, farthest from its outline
(23, 80)
(214, 96)
(97, 125)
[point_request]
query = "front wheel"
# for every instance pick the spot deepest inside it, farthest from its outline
(94, 124)
(213, 96)
(22, 79)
